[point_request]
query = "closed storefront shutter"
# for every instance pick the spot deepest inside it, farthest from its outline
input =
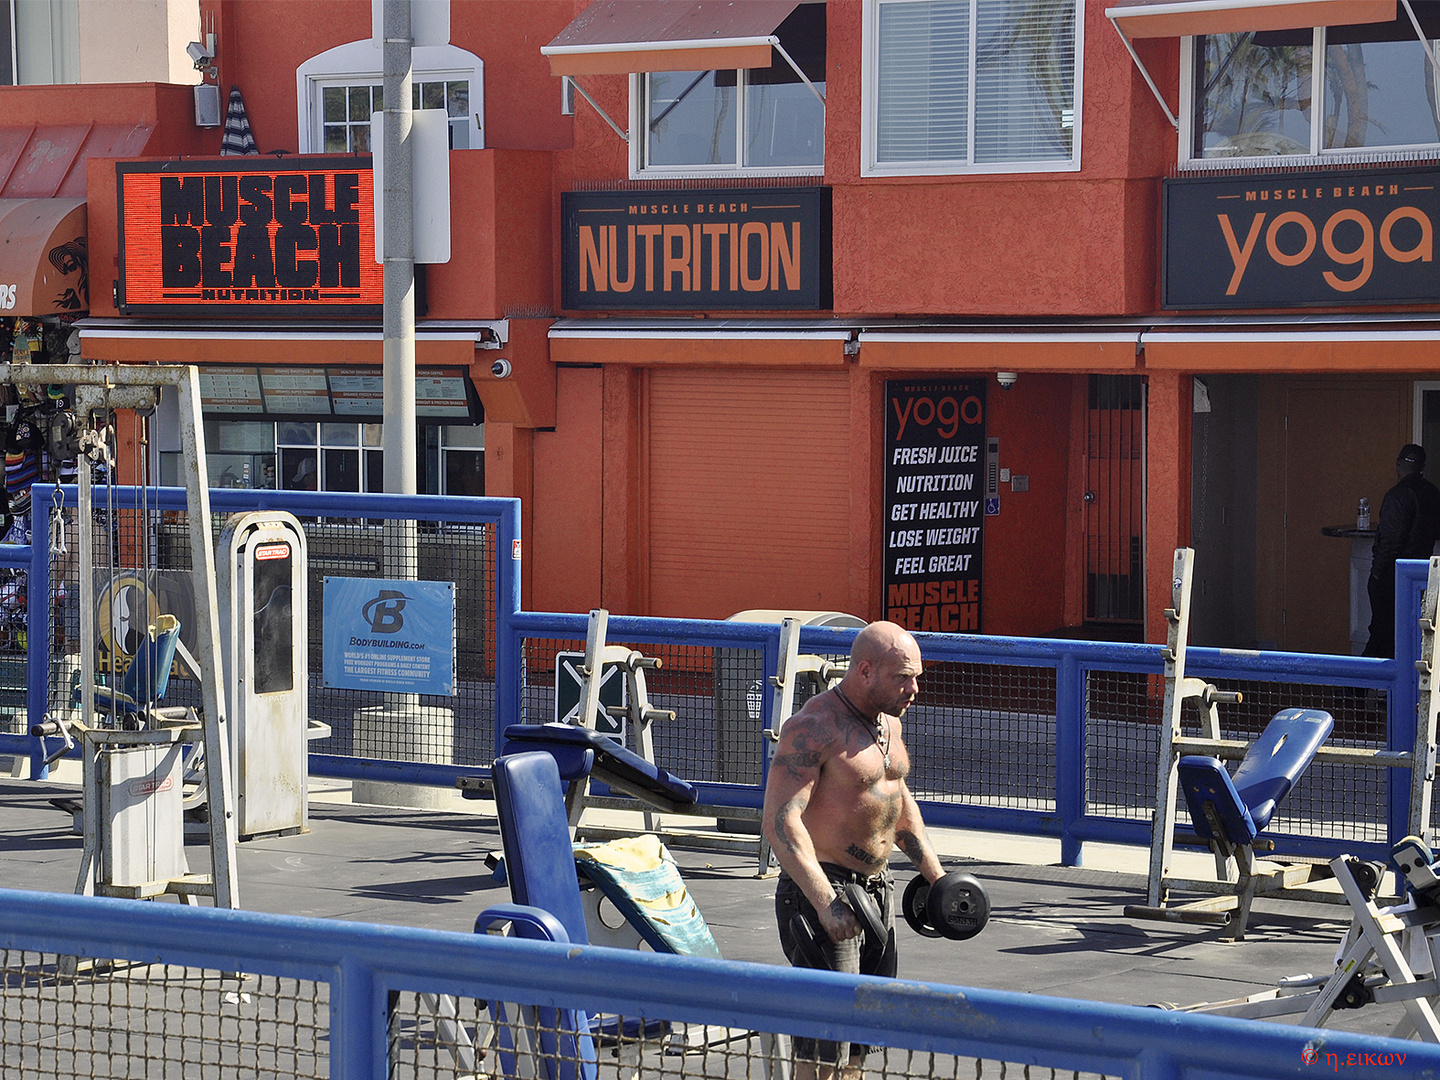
(749, 491)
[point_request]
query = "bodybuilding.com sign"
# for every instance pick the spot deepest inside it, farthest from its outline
(1291, 239)
(389, 635)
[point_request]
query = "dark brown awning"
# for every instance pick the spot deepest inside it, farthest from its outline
(43, 259)
(1183, 18)
(616, 37)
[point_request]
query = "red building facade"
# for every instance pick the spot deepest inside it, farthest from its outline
(980, 386)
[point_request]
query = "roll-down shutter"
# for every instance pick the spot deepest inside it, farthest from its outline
(749, 491)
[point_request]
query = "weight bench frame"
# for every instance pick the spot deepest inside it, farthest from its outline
(1371, 968)
(652, 802)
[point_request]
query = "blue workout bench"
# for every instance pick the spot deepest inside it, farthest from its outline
(1230, 812)
(544, 869)
(623, 770)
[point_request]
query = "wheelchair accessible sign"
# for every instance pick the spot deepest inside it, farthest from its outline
(397, 636)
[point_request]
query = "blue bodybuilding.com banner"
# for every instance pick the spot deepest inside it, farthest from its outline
(397, 636)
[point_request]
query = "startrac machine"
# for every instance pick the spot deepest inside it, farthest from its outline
(263, 634)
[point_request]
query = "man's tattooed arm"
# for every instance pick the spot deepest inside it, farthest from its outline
(910, 844)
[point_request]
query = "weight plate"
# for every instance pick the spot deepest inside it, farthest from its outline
(868, 912)
(808, 950)
(958, 906)
(912, 906)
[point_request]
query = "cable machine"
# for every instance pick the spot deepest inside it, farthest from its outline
(132, 746)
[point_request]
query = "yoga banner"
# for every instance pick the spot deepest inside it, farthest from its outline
(934, 503)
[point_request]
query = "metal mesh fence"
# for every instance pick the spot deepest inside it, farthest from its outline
(434, 1036)
(142, 567)
(1334, 800)
(984, 734)
(61, 1019)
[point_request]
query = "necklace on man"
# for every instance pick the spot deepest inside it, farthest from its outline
(879, 728)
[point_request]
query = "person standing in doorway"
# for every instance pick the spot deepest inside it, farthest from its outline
(1409, 526)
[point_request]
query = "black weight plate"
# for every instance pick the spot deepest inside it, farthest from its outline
(912, 906)
(868, 912)
(958, 906)
(808, 951)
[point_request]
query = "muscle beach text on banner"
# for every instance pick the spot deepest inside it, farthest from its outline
(934, 504)
(1357, 236)
(294, 237)
(696, 249)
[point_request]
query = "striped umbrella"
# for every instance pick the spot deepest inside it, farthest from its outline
(237, 140)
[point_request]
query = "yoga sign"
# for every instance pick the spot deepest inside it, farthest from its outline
(1288, 240)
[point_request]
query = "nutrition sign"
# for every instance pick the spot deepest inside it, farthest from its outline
(934, 504)
(237, 237)
(696, 249)
(1358, 236)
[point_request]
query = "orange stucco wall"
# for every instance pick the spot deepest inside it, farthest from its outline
(1038, 245)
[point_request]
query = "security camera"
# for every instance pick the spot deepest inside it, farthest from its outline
(202, 56)
(501, 368)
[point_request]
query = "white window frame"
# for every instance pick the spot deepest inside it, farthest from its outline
(358, 62)
(638, 170)
(1317, 155)
(869, 65)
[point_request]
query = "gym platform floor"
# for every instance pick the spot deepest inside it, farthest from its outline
(1053, 930)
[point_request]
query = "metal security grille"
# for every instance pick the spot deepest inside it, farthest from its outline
(156, 1021)
(984, 734)
(441, 1036)
(1114, 498)
(458, 729)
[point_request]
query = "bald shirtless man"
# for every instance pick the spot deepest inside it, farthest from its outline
(836, 804)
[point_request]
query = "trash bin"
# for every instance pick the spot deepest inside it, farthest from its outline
(740, 689)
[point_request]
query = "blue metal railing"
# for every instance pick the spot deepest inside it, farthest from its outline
(1071, 661)
(362, 964)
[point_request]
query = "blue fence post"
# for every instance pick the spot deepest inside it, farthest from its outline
(1070, 755)
(359, 1023)
(769, 661)
(507, 603)
(1404, 695)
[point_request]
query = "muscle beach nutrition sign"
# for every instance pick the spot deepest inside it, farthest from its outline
(1289, 239)
(249, 237)
(934, 504)
(697, 249)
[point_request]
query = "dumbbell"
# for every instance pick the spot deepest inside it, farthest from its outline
(956, 906)
(809, 938)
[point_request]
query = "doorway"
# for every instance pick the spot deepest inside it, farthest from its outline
(1337, 441)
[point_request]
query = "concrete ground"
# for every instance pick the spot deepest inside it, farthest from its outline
(1054, 930)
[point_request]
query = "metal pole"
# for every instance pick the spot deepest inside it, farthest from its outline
(399, 279)
(399, 732)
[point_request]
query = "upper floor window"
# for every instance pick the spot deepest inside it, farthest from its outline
(1352, 92)
(337, 91)
(41, 42)
(761, 120)
(345, 111)
(971, 85)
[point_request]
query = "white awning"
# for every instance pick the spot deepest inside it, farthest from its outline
(1184, 18)
(1187, 18)
(617, 37)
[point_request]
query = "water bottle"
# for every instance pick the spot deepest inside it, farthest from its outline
(1362, 519)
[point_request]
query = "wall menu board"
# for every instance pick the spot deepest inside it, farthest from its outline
(440, 394)
(934, 504)
(296, 393)
(230, 390)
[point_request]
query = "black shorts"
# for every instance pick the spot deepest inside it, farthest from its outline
(855, 955)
